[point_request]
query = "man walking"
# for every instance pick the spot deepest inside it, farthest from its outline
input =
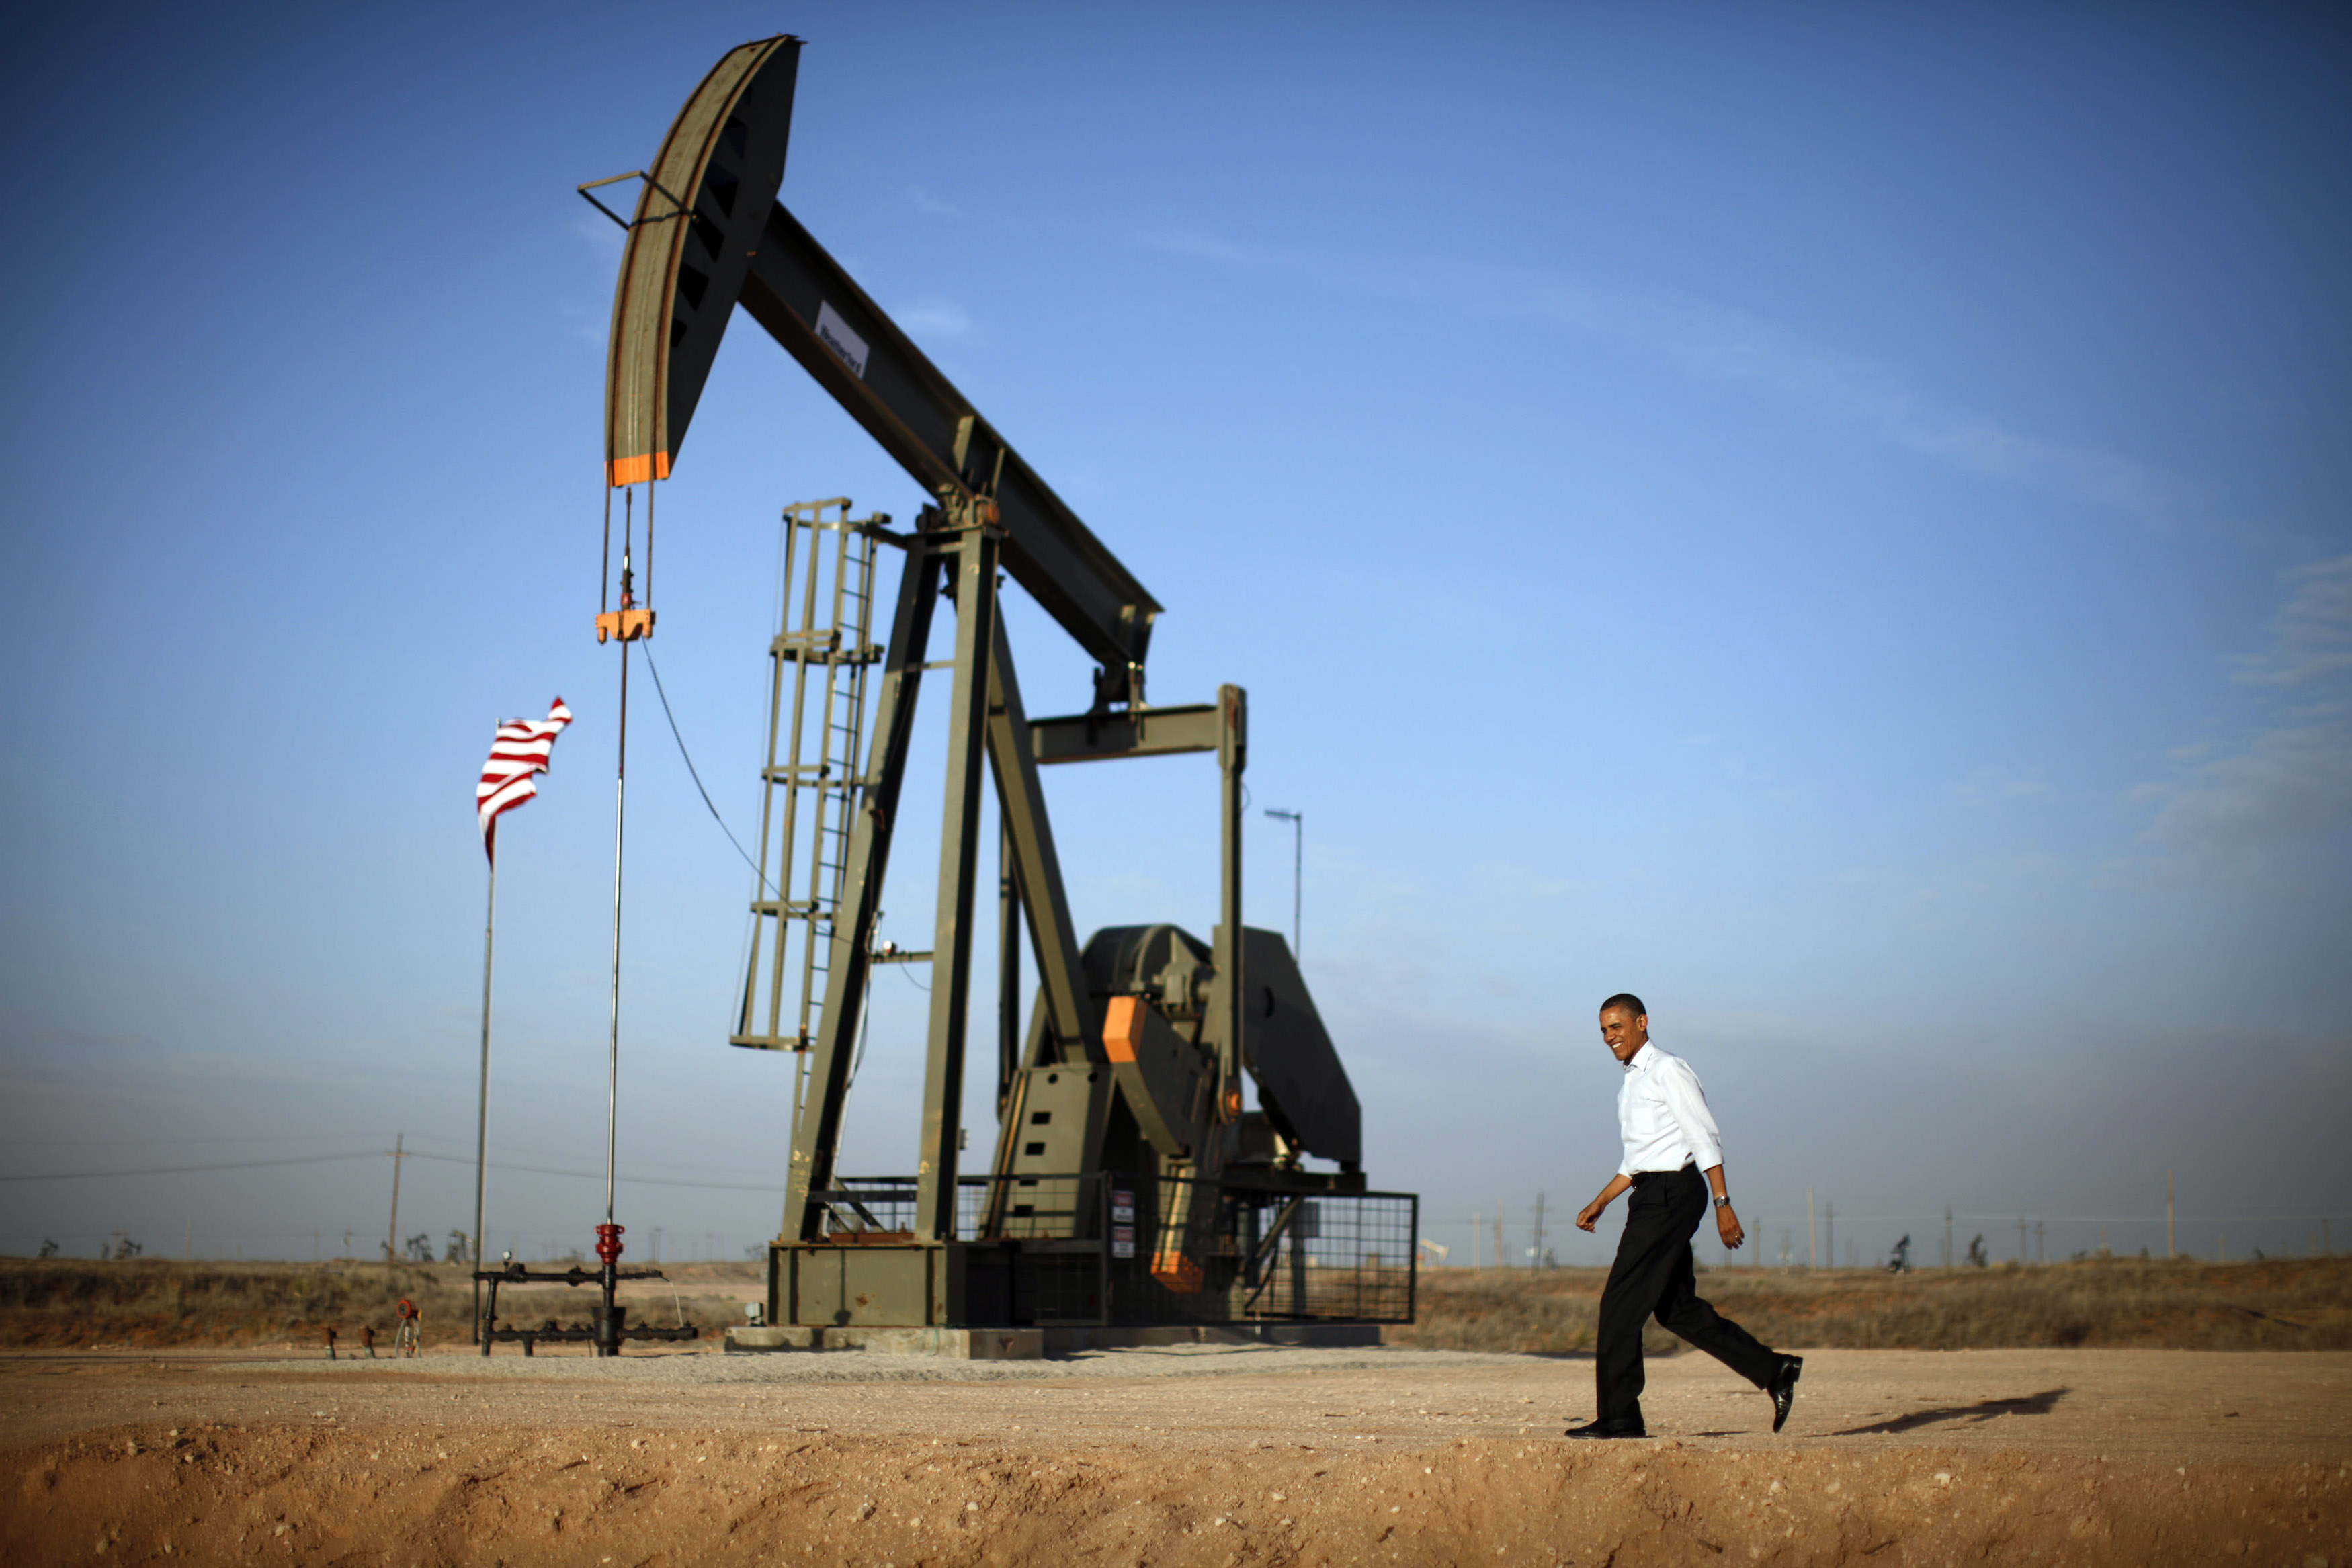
(1673, 1159)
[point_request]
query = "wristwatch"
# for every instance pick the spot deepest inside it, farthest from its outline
(1723, 1202)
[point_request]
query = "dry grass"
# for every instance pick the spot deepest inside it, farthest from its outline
(55, 1303)
(2110, 1303)
(2278, 1305)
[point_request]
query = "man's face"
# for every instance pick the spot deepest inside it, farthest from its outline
(1624, 1032)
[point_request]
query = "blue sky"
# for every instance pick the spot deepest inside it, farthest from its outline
(1833, 520)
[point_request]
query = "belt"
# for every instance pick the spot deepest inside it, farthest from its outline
(1641, 1176)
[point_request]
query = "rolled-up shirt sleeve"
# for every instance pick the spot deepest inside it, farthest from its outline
(1678, 1086)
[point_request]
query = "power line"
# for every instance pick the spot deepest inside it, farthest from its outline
(756, 869)
(378, 1154)
(190, 1170)
(776, 1188)
(153, 1142)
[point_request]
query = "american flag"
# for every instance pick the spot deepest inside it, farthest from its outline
(523, 749)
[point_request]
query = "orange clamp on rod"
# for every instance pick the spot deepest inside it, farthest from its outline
(624, 625)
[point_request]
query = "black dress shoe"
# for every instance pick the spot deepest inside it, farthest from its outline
(1784, 1389)
(1620, 1428)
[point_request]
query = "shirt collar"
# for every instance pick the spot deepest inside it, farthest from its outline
(1645, 1059)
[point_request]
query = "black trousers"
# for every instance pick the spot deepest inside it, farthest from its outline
(1653, 1274)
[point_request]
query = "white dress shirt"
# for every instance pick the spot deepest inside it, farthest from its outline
(1661, 1112)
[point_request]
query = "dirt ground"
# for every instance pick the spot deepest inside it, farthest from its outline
(1192, 1455)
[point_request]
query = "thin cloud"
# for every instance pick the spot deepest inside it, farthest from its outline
(1208, 247)
(2290, 785)
(1723, 343)
(1726, 344)
(933, 316)
(588, 318)
(2314, 628)
(1991, 783)
(602, 236)
(1510, 881)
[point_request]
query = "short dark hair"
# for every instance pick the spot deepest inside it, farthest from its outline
(1629, 1001)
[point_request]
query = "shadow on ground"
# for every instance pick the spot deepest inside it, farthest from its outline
(1983, 1410)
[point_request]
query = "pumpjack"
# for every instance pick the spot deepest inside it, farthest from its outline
(1131, 1184)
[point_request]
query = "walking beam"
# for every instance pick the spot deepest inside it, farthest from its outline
(708, 234)
(824, 319)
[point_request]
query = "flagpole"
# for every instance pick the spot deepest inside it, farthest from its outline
(620, 806)
(482, 1121)
(520, 749)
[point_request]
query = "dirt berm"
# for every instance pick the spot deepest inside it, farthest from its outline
(1209, 1458)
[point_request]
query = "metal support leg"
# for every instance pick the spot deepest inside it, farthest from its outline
(816, 1131)
(1008, 951)
(935, 1163)
(1233, 756)
(1072, 1033)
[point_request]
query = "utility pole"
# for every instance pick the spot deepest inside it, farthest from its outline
(2170, 1251)
(1535, 1253)
(1947, 1235)
(1297, 820)
(1813, 1237)
(1828, 1231)
(391, 1242)
(2040, 1254)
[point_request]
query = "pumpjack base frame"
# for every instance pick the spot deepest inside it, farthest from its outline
(1277, 1256)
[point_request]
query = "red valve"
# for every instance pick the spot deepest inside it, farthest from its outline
(608, 1243)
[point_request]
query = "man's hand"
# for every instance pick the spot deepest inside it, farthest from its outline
(1727, 1224)
(1589, 1215)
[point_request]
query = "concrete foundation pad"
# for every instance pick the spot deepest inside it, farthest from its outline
(961, 1345)
(1037, 1343)
(1331, 1336)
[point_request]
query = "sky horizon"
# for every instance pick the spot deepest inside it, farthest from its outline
(1834, 522)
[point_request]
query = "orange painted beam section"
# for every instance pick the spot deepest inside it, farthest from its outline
(636, 470)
